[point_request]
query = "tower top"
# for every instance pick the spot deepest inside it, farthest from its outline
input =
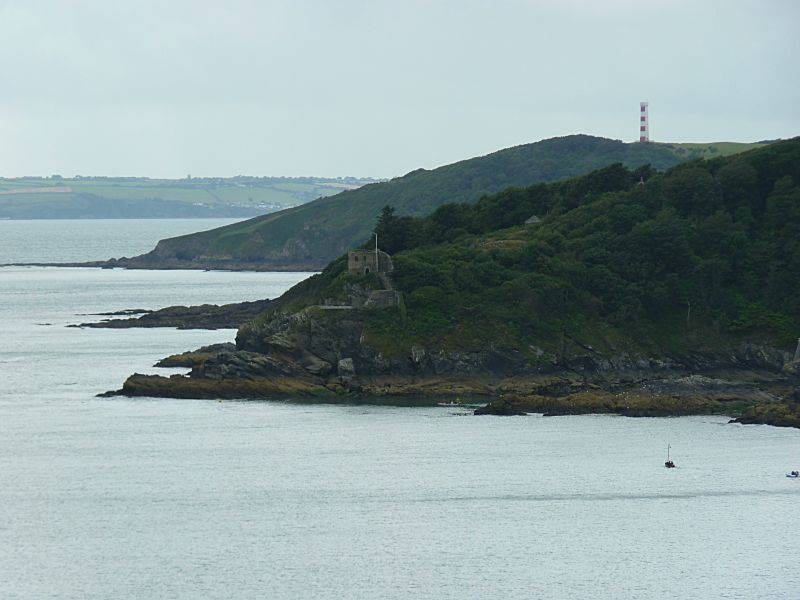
(644, 125)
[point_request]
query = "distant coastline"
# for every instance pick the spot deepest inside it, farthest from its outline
(57, 197)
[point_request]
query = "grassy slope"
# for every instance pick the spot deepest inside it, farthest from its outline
(319, 231)
(714, 149)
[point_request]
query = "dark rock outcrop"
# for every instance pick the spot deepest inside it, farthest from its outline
(784, 414)
(322, 354)
(196, 357)
(206, 316)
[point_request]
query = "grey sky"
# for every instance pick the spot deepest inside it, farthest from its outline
(374, 87)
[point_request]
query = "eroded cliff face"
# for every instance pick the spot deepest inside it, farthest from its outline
(314, 339)
(317, 339)
(330, 341)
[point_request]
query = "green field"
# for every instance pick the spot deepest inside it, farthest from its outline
(107, 196)
(712, 149)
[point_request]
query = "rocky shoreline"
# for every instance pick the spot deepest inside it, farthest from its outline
(321, 356)
(548, 395)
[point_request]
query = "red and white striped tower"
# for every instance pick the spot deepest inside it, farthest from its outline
(644, 126)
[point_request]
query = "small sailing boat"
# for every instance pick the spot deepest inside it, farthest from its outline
(669, 464)
(456, 402)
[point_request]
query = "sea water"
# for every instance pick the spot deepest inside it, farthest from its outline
(154, 498)
(80, 240)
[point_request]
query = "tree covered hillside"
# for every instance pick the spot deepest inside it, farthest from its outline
(622, 260)
(312, 235)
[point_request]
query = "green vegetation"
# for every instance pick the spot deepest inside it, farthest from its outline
(332, 284)
(131, 197)
(713, 149)
(780, 415)
(622, 260)
(313, 234)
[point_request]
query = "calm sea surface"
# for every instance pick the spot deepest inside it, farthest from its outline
(149, 498)
(42, 241)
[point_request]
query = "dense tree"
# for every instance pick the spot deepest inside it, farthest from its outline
(716, 242)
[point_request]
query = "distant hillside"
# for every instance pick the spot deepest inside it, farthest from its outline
(309, 236)
(139, 197)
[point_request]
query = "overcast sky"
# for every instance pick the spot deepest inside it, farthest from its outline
(377, 87)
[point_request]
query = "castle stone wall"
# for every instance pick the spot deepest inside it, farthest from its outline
(361, 262)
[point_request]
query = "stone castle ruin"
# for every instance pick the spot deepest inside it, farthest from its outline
(364, 262)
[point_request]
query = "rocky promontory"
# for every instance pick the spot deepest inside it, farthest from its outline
(625, 290)
(205, 316)
(323, 354)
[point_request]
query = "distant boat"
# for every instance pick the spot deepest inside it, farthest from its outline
(793, 474)
(456, 402)
(669, 464)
